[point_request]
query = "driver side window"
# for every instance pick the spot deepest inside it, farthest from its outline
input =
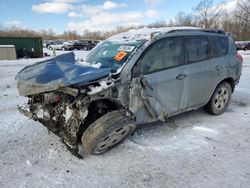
(162, 54)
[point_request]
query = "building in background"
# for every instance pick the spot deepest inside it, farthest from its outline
(7, 52)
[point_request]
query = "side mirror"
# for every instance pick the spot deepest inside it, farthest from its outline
(145, 83)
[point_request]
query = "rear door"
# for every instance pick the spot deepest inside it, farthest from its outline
(205, 68)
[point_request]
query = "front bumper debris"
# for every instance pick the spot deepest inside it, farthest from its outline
(25, 110)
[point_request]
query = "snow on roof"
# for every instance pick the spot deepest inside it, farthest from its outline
(145, 33)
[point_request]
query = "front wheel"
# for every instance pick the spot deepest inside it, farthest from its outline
(106, 132)
(220, 99)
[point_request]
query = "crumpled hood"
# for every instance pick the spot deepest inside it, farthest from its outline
(56, 73)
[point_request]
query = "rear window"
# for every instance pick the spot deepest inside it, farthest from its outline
(220, 47)
(197, 48)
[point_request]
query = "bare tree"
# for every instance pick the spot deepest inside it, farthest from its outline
(207, 14)
(244, 6)
(47, 34)
(243, 12)
(70, 35)
(184, 19)
(243, 16)
(157, 24)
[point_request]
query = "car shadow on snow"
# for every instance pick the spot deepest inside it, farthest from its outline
(171, 122)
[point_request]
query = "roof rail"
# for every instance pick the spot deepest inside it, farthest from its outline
(220, 31)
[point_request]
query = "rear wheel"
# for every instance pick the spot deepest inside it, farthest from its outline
(220, 99)
(106, 132)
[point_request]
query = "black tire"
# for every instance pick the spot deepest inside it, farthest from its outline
(220, 99)
(106, 132)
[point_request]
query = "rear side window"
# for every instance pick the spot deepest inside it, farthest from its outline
(163, 54)
(220, 47)
(197, 48)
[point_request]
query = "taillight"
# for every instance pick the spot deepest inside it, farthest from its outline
(239, 57)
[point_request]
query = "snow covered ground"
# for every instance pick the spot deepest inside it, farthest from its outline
(193, 149)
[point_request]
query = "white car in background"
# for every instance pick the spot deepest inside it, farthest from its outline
(57, 45)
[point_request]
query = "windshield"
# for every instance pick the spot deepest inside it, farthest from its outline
(113, 54)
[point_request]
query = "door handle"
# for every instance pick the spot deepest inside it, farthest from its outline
(180, 76)
(218, 67)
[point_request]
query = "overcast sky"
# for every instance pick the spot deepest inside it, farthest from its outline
(62, 15)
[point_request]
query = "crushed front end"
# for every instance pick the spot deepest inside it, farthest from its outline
(59, 93)
(60, 112)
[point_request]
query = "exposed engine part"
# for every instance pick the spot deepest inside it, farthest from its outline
(59, 112)
(70, 91)
(51, 97)
(68, 112)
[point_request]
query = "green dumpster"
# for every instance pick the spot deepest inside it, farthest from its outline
(30, 47)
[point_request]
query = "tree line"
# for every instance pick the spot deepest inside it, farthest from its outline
(204, 15)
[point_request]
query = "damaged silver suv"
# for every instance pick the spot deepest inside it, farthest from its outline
(132, 78)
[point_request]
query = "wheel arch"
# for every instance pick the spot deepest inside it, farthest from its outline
(209, 107)
(92, 116)
(231, 81)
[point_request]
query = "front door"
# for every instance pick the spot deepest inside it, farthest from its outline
(162, 68)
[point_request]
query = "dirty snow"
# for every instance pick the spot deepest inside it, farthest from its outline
(193, 149)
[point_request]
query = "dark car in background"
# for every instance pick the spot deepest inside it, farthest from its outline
(79, 45)
(89, 44)
(243, 46)
(74, 46)
(96, 42)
